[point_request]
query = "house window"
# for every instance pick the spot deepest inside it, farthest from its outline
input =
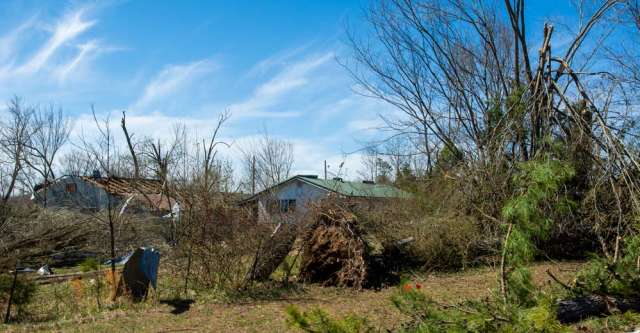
(70, 188)
(287, 206)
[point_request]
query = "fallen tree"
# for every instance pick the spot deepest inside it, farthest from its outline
(577, 309)
(337, 250)
(334, 251)
(63, 238)
(272, 252)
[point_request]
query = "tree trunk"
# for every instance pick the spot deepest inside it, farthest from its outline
(272, 252)
(577, 309)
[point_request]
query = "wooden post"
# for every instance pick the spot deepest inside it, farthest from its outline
(7, 316)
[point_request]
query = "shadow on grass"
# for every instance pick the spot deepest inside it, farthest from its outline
(179, 305)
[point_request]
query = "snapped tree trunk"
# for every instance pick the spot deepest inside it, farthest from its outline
(272, 252)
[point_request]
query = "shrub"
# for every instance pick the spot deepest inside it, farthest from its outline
(441, 240)
(89, 264)
(22, 295)
(217, 243)
(619, 278)
(517, 306)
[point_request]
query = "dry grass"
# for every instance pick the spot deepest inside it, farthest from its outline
(265, 312)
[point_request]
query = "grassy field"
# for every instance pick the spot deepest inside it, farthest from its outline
(264, 311)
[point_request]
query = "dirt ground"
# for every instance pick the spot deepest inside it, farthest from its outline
(266, 313)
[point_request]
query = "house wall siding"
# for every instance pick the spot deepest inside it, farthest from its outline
(297, 190)
(86, 195)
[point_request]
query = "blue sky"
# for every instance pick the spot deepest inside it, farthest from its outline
(271, 63)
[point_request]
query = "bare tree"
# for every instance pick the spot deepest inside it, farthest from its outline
(624, 54)
(398, 151)
(131, 146)
(374, 166)
(268, 161)
(461, 73)
(15, 133)
(50, 132)
(77, 162)
(455, 69)
(427, 61)
(210, 170)
(369, 163)
(101, 149)
(163, 155)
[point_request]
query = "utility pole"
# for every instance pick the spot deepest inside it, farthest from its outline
(375, 167)
(253, 174)
(325, 169)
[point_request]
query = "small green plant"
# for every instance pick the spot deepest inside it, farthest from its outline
(318, 321)
(88, 265)
(625, 322)
(488, 315)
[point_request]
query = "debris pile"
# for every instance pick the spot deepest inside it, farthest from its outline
(334, 251)
(64, 238)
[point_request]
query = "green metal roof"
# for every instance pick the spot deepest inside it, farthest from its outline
(356, 189)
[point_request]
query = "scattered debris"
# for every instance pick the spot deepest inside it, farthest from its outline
(45, 270)
(121, 260)
(63, 238)
(59, 278)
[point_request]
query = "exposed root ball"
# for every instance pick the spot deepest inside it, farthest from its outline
(333, 251)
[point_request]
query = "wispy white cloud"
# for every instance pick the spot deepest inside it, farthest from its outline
(66, 30)
(171, 80)
(277, 60)
(51, 57)
(279, 87)
(9, 42)
(85, 51)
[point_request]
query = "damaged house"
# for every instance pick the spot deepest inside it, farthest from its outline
(96, 193)
(292, 196)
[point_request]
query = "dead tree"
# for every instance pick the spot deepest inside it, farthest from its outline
(50, 132)
(15, 133)
(267, 161)
(102, 150)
